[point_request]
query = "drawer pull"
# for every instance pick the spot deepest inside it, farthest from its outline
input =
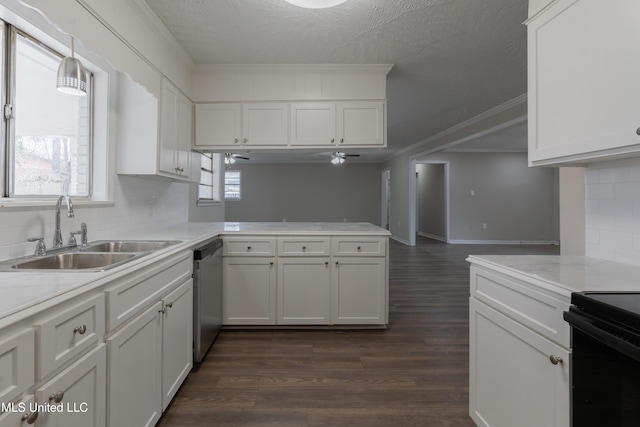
(358, 248)
(271, 263)
(169, 304)
(57, 397)
(80, 329)
(30, 418)
(337, 263)
(638, 131)
(555, 359)
(304, 248)
(248, 248)
(326, 263)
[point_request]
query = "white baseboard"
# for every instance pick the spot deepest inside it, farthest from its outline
(432, 236)
(504, 242)
(397, 239)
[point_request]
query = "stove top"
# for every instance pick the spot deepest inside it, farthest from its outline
(622, 308)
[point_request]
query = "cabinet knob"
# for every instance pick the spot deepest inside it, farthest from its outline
(80, 329)
(271, 263)
(169, 304)
(245, 140)
(30, 418)
(333, 140)
(326, 263)
(341, 140)
(235, 141)
(248, 248)
(57, 397)
(358, 248)
(337, 263)
(555, 359)
(304, 248)
(638, 131)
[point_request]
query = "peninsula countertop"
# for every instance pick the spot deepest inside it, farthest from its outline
(23, 290)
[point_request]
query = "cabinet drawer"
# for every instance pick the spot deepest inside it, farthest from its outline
(16, 364)
(18, 413)
(354, 246)
(69, 333)
(250, 246)
(303, 246)
(537, 311)
(132, 295)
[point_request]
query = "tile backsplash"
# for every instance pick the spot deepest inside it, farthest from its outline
(612, 212)
(139, 204)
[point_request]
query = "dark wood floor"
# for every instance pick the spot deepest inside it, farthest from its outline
(414, 373)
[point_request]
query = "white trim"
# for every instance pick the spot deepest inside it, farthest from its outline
(504, 242)
(397, 239)
(413, 200)
(487, 114)
(298, 68)
(432, 236)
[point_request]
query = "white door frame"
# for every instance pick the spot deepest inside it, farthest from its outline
(385, 205)
(413, 199)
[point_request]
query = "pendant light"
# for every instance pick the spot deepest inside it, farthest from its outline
(72, 77)
(315, 4)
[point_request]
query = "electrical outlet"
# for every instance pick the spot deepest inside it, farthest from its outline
(473, 192)
(484, 226)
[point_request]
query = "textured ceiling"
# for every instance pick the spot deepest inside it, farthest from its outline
(454, 59)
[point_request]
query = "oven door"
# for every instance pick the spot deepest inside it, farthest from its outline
(605, 373)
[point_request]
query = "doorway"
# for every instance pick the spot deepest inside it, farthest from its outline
(432, 200)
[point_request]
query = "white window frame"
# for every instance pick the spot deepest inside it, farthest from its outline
(10, 33)
(213, 182)
(227, 194)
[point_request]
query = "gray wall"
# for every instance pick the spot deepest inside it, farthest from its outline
(516, 202)
(307, 192)
(431, 200)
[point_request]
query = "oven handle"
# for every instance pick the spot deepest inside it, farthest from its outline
(588, 326)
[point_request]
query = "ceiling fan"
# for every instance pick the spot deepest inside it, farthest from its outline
(338, 157)
(230, 158)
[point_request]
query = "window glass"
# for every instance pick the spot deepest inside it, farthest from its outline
(50, 153)
(208, 188)
(232, 185)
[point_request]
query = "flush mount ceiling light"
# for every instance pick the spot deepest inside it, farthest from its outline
(315, 4)
(72, 77)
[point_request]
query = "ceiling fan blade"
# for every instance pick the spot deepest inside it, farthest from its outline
(352, 155)
(236, 156)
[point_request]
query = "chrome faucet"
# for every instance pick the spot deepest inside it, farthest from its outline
(57, 234)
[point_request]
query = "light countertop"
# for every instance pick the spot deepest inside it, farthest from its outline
(566, 274)
(22, 290)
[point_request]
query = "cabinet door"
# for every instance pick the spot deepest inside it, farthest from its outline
(135, 371)
(304, 289)
(177, 340)
(17, 362)
(313, 124)
(265, 124)
(218, 125)
(583, 80)
(358, 290)
(185, 136)
(78, 393)
(361, 123)
(512, 381)
(168, 128)
(249, 291)
(20, 414)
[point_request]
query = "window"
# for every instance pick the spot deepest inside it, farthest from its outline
(47, 135)
(232, 185)
(209, 188)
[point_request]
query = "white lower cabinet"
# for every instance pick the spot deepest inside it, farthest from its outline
(249, 291)
(358, 290)
(304, 291)
(177, 340)
(21, 413)
(78, 394)
(135, 374)
(149, 359)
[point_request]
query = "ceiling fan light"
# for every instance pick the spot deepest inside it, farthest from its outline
(72, 77)
(228, 159)
(315, 4)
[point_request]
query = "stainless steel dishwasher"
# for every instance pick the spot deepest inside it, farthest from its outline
(207, 296)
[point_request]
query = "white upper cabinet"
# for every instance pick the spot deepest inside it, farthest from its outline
(264, 124)
(313, 124)
(583, 81)
(218, 125)
(361, 124)
(154, 136)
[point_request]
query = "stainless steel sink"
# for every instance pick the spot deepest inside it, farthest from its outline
(74, 261)
(96, 256)
(128, 245)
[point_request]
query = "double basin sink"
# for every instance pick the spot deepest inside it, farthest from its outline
(96, 256)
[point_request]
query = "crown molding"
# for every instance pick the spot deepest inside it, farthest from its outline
(381, 69)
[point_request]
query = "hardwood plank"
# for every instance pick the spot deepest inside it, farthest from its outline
(414, 373)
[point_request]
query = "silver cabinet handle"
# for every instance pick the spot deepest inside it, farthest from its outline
(555, 359)
(248, 248)
(245, 140)
(341, 140)
(337, 263)
(359, 248)
(57, 397)
(326, 263)
(162, 310)
(638, 131)
(235, 141)
(333, 140)
(304, 248)
(271, 263)
(30, 418)
(169, 304)
(80, 329)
